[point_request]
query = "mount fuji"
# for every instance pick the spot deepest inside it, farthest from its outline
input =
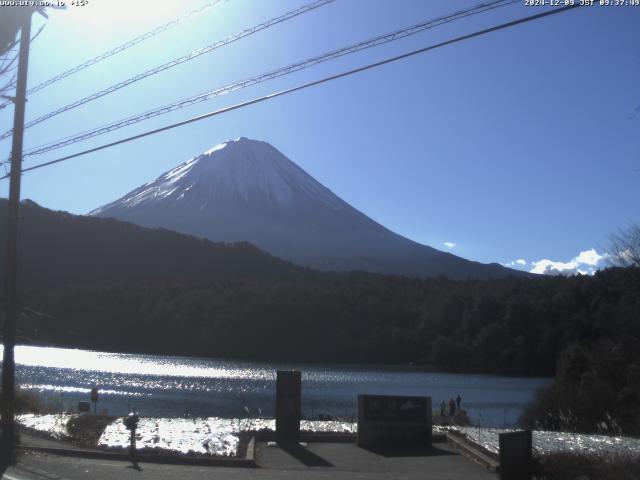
(246, 190)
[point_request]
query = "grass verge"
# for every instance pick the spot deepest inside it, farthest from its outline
(571, 466)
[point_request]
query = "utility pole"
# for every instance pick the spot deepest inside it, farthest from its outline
(11, 257)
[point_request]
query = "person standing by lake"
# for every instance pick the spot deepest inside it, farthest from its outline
(458, 400)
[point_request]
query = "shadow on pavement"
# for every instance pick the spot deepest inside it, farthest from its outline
(304, 456)
(136, 466)
(408, 451)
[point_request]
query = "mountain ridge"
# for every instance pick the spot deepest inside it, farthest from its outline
(57, 248)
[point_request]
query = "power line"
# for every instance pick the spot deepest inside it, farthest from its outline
(176, 61)
(305, 85)
(120, 48)
(266, 76)
(301, 65)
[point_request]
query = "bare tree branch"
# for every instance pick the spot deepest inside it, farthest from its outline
(624, 247)
(9, 53)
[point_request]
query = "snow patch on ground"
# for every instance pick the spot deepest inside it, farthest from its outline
(551, 442)
(205, 436)
(201, 436)
(53, 424)
(220, 436)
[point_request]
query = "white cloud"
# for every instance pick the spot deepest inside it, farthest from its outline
(585, 263)
(520, 262)
(549, 267)
(449, 244)
(590, 257)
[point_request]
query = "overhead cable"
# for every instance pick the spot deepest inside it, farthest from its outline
(126, 45)
(286, 70)
(303, 86)
(120, 48)
(175, 62)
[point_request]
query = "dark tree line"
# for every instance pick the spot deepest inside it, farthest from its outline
(597, 382)
(509, 325)
(596, 390)
(57, 249)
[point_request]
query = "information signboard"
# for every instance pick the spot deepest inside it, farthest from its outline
(385, 419)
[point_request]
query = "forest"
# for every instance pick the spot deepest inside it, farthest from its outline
(514, 325)
(187, 296)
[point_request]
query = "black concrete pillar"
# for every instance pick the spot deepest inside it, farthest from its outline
(515, 455)
(288, 406)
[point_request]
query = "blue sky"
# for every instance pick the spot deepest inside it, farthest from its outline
(519, 145)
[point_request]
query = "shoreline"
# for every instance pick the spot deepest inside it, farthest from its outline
(382, 366)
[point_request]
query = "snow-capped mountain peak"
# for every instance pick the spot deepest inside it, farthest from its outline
(249, 170)
(246, 190)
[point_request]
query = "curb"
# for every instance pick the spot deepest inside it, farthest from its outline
(311, 437)
(250, 454)
(248, 461)
(475, 454)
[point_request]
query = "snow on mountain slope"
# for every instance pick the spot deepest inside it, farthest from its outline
(246, 170)
(247, 190)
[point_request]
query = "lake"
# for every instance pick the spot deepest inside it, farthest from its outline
(168, 386)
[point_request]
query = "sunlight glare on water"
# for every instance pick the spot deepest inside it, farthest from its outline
(168, 386)
(125, 363)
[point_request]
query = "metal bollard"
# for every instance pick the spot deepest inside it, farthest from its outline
(131, 422)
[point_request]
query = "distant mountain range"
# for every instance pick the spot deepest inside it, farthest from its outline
(246, 190)
(57, 248)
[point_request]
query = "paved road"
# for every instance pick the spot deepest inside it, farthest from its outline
(333, 461)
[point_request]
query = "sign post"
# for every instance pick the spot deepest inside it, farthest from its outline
(94, 399)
